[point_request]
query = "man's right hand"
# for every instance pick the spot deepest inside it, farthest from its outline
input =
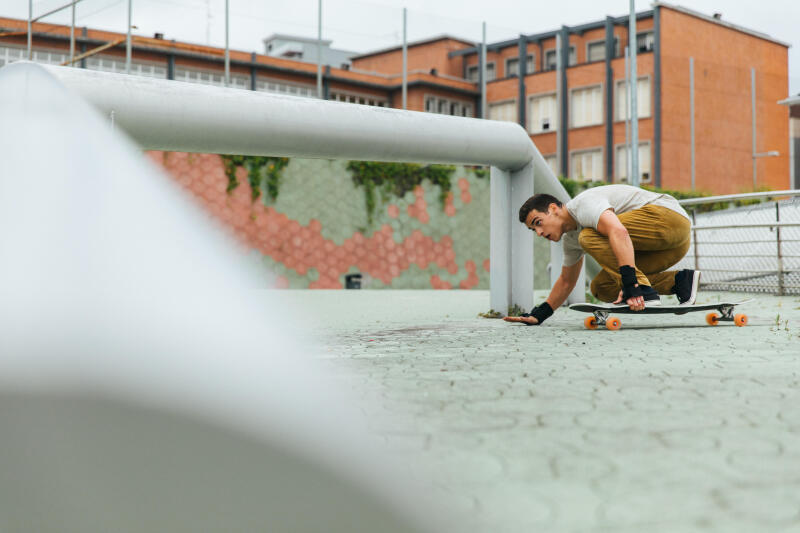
(529, 320)
(538, 314)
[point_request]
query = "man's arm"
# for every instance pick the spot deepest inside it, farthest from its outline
(622, 247)
(610, 226)
(564, 284)
(558, 294)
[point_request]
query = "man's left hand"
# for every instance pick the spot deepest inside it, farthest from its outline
(636, 303)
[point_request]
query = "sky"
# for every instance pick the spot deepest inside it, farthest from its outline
(365, 25)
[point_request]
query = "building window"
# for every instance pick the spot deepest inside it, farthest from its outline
(279, 87)
(491, 73)
(642, 99)
(107, 64)
(550, 58)
(474, 72)
(586, 165)
(552, 162)
(211, 78)
(596, 51)
(351, 98)
(9, 54)
(645, 41)
(446, 106)
(512, 66)
(542, 114)
(506, 111)
(621, 164)
(586, 106)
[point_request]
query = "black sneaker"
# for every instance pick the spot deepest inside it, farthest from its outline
(686, 284)
(651, 297)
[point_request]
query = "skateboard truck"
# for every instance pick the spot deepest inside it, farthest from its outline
(601, 318)
(726, 315)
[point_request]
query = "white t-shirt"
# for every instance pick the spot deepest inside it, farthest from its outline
(587, 207)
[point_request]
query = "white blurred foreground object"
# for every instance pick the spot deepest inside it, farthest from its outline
(142, 388)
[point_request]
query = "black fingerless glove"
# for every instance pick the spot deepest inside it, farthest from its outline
(629, 283)
(541, 313)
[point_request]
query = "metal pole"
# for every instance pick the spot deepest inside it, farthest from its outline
(227, 45)
(319, 49)
(691, 114)
(128, 40)
(30, 17)
(627, 115)
(793, 181)
(559, 97)
(483, 74)
(753, 108)
(72, 38)
(208, 22)
(405, 62)
(635, 175)
(780, 255)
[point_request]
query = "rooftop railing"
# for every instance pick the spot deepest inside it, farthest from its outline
(752, 248)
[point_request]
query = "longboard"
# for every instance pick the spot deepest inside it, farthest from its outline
(601, 313)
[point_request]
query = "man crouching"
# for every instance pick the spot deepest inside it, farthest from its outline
(635, 235)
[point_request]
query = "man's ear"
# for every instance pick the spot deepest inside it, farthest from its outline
(552, 208)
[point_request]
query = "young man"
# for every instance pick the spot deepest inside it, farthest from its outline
(635, 235)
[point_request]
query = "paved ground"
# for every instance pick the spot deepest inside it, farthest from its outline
(667, 425)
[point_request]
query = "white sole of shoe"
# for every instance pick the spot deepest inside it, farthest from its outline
(695, 286)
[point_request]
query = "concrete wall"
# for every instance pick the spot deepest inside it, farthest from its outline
(317, 231)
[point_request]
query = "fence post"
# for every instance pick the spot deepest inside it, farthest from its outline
(778, 239)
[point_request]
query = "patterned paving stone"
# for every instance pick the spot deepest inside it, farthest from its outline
(666, 425)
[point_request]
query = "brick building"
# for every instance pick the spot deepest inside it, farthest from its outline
(793, 103)
(523, 85)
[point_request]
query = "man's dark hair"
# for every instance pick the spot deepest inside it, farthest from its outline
(538, 202)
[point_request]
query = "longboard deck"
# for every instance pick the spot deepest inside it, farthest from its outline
(602, 313)
(654, 310)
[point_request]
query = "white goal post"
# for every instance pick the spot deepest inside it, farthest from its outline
(179, 116)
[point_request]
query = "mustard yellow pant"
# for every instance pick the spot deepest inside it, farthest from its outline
(660, 236)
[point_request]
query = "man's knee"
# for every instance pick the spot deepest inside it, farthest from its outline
(604, 288)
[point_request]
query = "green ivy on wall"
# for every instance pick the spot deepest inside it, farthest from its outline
(387, 179)
(479, 171)
(259, 169)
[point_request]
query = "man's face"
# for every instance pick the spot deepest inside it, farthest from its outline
(546, 225)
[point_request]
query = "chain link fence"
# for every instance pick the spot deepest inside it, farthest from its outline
(754, 248)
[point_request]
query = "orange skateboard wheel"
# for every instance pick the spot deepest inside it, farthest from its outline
(590, 322)
(712, 319)
(613, 323)
(740, 320)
